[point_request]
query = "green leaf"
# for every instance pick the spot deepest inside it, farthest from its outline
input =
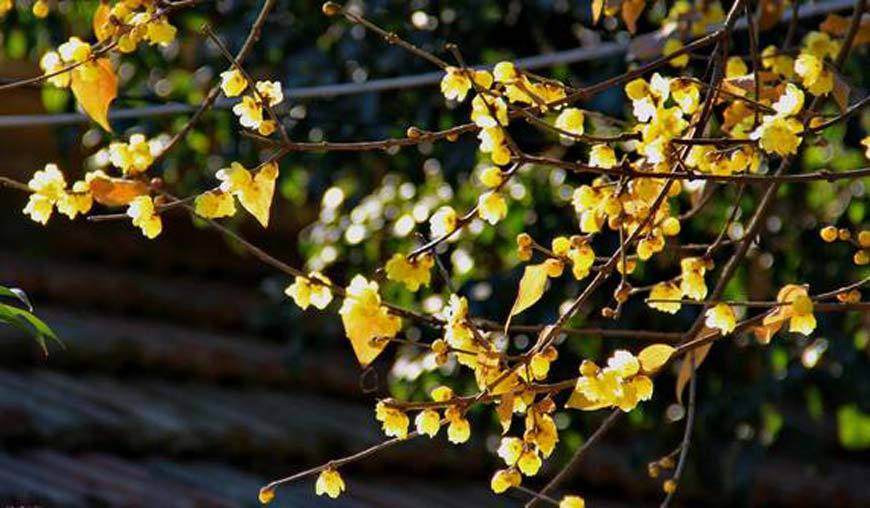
(24, 320)
(16, 294)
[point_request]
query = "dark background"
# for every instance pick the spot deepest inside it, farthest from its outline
(188, 379)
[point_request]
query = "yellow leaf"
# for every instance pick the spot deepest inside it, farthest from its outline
(597, 10)
(695, 357)
(258, 198)
(532, 287)
(102, 22)
(631, 11)
(95, 86)
(116, 191)
(653, 357)
(838, 25)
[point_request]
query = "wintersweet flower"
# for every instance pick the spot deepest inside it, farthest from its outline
(330, 483)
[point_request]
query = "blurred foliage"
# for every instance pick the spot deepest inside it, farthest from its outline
(355, 209)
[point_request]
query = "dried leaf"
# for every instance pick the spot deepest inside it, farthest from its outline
(841, 92)
(95, 86)
(838, 25)
(116, 191)
(102, 22)
(631, 11)
(505, 411)
(653, 357)
(770, 12)
(695, 357)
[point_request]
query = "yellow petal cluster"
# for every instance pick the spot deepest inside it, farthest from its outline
(312, 290)
(413, 273)
(144, 216)
(329, 482)
(619, 384)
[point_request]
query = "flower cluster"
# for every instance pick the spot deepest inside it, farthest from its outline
(620, 384)
(49, 191)
(250, 109)
(132, 22)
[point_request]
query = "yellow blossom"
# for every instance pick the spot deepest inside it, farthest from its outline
(773, 59)
(271, 92)
(492, 207)
(802, 319)
(306, 291)
(160, 31)
(582, 258)
(51, 63)
(443, 222)
(365, 319)
(483, 108)
(330, 483)
(692, 283)
(233, 82)
(492, 177)
(571, 120)
(820, 45)
(493, 142)
(779, 135)
(214, 205)
(250, 112)
(74, 50)
(413, 273)
(620, 384)
(135, 156)
(721, 317)
(672, 46)
(529, 463)
(49, 187)
(602, 156)
(266, 495)
(735, 66)
(504, 479)
(144, 216)
(428, 422)
(572, 502)
(790, 102)
(510, 449)
(455, 84)
(458, 431)
(395, 421)
(665, 291)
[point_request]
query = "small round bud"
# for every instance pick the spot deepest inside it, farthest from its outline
(652, 469)
(864, 239)
(828, 233)
(669, 487)
(414, 133)
(266, 495)
(844, 234)
(440, 347)
(608, 312)
(524, 240)
(156, 182)
(862, 257)
(331, 8)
